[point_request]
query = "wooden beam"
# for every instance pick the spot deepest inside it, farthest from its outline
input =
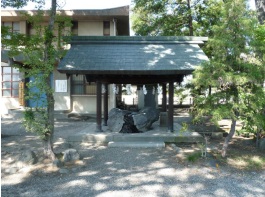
(171, 107)
(134, 79)
(99, 107)
(164, 98)
(106, 110)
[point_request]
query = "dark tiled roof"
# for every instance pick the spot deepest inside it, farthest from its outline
(5, 57)
(133, 55)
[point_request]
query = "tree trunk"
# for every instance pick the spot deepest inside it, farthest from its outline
(258, 137)
(190, 18)
(48, 143)
(229, 137)
(210, 90)
(260, 6)
(48, 147)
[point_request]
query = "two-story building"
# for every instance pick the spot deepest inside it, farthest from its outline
(72, 93)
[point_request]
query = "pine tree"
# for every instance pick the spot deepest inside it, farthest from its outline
(233, 72)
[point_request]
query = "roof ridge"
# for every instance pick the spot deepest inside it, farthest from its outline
(137, 38)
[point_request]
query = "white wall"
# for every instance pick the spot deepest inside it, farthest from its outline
(86, 104)
(9, 103)
(62, 99)
(23, 27)
(93, 28)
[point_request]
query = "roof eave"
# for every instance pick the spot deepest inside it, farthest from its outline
(127, 72)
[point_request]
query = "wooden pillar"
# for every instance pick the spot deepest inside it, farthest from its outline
(106, 107)
(99, 107)
(171, 107)
(164, 98)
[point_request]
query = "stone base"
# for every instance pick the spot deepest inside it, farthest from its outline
(137, 144)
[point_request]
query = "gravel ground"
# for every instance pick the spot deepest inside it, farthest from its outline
(107, 172)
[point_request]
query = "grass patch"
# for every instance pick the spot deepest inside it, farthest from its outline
(247, 162)
(193, 157)
(241, 159)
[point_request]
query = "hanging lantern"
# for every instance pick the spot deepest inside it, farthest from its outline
(128, 89)
(114, 89)
(159, 89)
(117, 90)
(103, 89)
(144, 90)
(154, 90)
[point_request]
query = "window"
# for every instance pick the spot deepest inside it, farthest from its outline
(79, 86)
(10, 81)
(106, 28)
(75, 28)
(30, 30)
(13, 26)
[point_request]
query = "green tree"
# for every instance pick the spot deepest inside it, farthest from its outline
(256, 119)
(181, 94)
(40, 55)
(233, 70)
(19, 3)
(175, 18)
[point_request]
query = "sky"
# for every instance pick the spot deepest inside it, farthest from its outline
(95, 4)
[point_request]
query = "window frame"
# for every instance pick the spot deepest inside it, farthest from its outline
(74, 28)
(11, 81)
(106, 26)
(87, 88)
(12, 30)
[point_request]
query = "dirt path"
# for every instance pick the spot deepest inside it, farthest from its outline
(129, 172)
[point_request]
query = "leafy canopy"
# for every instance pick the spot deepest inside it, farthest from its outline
(19, 3)
(234, 72)
(175, 18)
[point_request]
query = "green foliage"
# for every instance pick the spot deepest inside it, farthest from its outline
(14, 3)
(193, 157)
(19, 3)
(184, 127)
(35, 121)
(207, 14)
(234, 70)
(175, 18)
(181, 94)
(40, 51)
(246, 161)
(259, 41)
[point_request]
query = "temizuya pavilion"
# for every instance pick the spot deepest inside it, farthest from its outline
(133, 60)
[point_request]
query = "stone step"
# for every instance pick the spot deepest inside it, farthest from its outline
(136, 144)
(190, 137)
(159, 137)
